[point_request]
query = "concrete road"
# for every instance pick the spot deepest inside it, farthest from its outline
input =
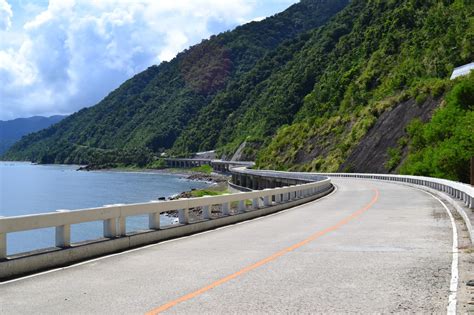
(368, 247)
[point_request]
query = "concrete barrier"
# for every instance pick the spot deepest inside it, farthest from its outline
(456, 190)
(263, 192)
(248, 205)
(460, 191)
(452, 191)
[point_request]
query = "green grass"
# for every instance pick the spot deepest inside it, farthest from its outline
(207, 169)
(208, 192)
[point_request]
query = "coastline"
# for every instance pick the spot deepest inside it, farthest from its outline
(218, 182)
(181, 172)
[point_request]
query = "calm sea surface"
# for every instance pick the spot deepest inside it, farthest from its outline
(27, 189)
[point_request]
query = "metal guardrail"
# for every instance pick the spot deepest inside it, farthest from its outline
(456, 190)
(114, 217)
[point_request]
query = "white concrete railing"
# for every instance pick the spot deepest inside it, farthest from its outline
(457, 190)
(114, 217)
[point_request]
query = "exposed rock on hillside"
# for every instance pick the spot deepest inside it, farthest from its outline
(370, 155)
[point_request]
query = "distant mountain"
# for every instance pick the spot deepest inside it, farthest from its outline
(12, 130)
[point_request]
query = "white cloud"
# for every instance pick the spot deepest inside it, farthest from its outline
(5, 15)
(73, 53)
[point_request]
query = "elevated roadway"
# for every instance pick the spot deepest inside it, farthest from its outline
(371, 246)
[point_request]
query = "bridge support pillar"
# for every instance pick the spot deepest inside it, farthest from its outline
(254, 183)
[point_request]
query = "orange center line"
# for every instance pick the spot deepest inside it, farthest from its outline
(266, 260)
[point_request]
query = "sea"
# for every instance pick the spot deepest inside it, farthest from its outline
(27, 188)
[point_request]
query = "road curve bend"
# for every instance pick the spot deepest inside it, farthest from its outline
(369, 247)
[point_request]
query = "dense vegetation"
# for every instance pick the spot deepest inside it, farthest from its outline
(444, 146)
(12, 130)
(149, 111)
(385, 52)
(302, 90)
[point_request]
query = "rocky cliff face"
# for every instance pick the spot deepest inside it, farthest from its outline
(371, 155)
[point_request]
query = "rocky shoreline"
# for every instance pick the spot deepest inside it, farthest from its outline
(186, 173)
(196, 213)
(219, 182)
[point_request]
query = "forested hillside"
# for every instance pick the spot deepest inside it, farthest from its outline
(324, 86)
(378, 66)
(148, 112)
(387, 55)
(12, 130)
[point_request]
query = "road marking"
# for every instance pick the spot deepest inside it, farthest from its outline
(167, 241)
(266, 260)
(453, 287)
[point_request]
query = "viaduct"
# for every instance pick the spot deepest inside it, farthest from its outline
(283, 242)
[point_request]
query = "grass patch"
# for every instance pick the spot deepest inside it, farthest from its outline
(207, 192)
(207, 169)
(211, 191)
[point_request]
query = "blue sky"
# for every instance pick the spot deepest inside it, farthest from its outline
(59, 56)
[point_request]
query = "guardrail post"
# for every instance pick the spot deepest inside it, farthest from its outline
(183, 216)
(277, 198)
(225, 208)
(266, 201)
(255, 203)
(63, 235)
(122, 226)
(3, 246)
(110, 228)
(242, 206)
(206, 212)
(154, 221)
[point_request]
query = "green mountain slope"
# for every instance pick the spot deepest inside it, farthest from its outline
(329, 87)
(149, 111)
(12, 130)
(367, 90)
(387, 56)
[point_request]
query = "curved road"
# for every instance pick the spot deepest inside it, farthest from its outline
(369, 247)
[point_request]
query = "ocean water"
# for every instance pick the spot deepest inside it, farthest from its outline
(28, 189)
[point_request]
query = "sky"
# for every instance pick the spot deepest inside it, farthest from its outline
(59, 56)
